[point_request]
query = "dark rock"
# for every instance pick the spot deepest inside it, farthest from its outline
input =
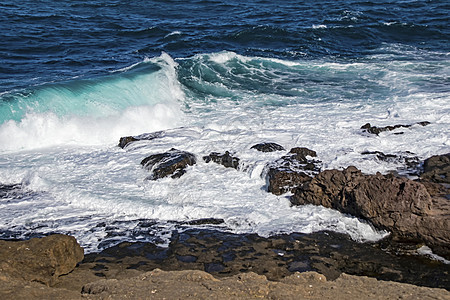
(300, 153)
(377, 130)
(124, 141)
(283, 180)
(276, 257)
(226, 159)
(408, 161)
(399, 205)
(40, 259)
(291, 170)
(171, 163)
(267, 147)
(437, 169)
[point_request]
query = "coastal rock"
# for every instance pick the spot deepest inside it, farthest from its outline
(377, 130)
(124, 141)
(399, 205)
(407, 162)
(437, 169)
(291, 170)
(172, 163)
(40, 259)
(267, 147)
(159, 284)
(226, 159)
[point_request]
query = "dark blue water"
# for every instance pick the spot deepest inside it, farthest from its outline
(215, 76)
(46, 41)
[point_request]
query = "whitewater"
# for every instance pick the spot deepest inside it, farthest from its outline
(62, 170)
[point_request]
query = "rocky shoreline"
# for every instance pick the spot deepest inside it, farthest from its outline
(205, 263)
(201, 264)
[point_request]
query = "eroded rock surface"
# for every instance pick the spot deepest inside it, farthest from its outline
(172, 163)
(291, 170)
(377, 130)
(437, 169)
(159, 284)
(40, 259)
(226, 159)
(399, 205)
(267, 147)
(126, 140)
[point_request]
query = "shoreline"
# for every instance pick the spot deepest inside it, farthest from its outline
(225, 266)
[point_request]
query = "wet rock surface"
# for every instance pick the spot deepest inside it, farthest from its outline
(226, 159)
(267, 147)
(40, 259)
(291, 170)
(399, 205)
(172, 163)
(224, 254)
(125, 141)
(377, 130)
(437, 169)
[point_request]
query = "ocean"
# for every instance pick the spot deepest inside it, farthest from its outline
(212, 76)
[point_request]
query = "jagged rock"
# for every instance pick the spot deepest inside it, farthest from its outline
(377, 130)
(171, 163)
(226, 159)
(124, 141)
(300, 153)
(408, 161)
(437, 169)
(399, 205)
(291, 170)
(40, 259)
(267, 147)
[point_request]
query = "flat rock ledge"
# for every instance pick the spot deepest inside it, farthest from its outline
(129, 283)
(159, 284)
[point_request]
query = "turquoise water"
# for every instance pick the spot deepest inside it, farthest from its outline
(75, 76)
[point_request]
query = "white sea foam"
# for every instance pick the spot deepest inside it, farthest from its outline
(78, 187)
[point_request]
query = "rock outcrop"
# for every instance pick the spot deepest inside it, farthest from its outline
(377, 130)
(172, 163)
(291, 170)
(267, 147)
(437, 169)
(226, 160)
(399, 205)
(40, 259)
(124, 141)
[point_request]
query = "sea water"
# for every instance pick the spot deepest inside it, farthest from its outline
(212, 76)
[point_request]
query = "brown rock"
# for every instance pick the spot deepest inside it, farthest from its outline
(291, 170)
(437, 169)
(399, 205)
(159, 284)
(40, 259)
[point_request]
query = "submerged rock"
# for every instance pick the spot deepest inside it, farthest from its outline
(226, 159)
(399, 205)
(267, 147)
(409, 163)
(40, 259)
(124, 141)
(171, 163)
(377, 130)
(291, 170)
